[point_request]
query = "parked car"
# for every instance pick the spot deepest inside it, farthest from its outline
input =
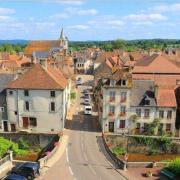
(28, 170)
(15, 177)
(88, 110)
(79, 81)
(86, 102)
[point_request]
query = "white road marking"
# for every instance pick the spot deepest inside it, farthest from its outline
(67, 155)
(71, 171)
(85, 156)
(93, 171)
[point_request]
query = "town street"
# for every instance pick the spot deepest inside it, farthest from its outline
(85, 156)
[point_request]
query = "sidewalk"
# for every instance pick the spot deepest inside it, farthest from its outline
(57, 155)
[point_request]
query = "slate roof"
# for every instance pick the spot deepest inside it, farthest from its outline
(142, 90)
(5, 79)
(38, 77)
(41, 54)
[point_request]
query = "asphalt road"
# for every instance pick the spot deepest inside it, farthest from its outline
(85, 157)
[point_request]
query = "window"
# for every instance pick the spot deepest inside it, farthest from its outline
(112, 96)
(112, 82)
(53, 94)
(146, 113)
(122, 110)
(169, 114)
(15, 112)
(147, 102)
(32, 121)
(111, 110)
(10, 92)
(161, 114)
(138, 126)
(122, 124)
(52, 108)
(123, 96)
(138, 112)
(26, 105)
(26, 93)
(168, 127)
(145, 127)
(123, 82)
(1, 109)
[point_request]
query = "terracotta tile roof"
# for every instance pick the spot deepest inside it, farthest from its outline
(38, 77)
(104, 55)
(40, 46)
(136, 55)
(166, 98)
(4, 56)
(156, 64)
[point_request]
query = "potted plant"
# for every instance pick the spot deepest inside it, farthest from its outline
(148, 174)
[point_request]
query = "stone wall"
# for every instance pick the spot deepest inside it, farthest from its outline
(129, 143)
(41, 140)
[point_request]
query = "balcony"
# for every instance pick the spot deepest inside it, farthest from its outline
(110, 114)
(111, 99)
(122, 114)
(123, 100)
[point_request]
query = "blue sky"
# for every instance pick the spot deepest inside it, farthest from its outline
(89, 19)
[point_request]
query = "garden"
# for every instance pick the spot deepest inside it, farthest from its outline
(146, 149)
(22, 150)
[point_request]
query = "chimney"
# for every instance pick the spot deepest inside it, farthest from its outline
(155, 90)
(44, 64)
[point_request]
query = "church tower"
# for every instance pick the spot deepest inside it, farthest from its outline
(63, 40)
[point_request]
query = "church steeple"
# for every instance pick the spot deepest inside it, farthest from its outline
(62, 37)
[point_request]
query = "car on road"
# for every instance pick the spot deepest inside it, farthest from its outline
(86, 101)
(79, 81)
(15, 177)
(88, 110)
(28, 170)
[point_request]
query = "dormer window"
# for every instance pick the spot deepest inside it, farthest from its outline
(26, 93)
(112, 83)
(123, 82)
(53, 94)
(147, 102)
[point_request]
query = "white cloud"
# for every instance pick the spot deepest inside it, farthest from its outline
(80, 11)
(87, 12)
(6, 11)
(71, 2)
(145, 17)
(167, 8)
(78, 27)
(5, 19)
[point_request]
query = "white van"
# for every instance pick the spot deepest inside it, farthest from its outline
(88, 110)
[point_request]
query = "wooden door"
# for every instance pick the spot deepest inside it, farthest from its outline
(13, 127)
(5, 124)
(25, 122)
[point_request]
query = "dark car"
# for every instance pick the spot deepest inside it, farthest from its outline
(15, 177)
(32, 167)
(28, 170)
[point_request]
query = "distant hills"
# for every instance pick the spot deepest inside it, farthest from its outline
(15, 42)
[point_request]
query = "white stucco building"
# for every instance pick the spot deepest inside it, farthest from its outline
(37, 101)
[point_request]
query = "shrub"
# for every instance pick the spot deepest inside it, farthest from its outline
(73, 95)
(23, 143)
(174, 166)
(118, 151)
(6, 145)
